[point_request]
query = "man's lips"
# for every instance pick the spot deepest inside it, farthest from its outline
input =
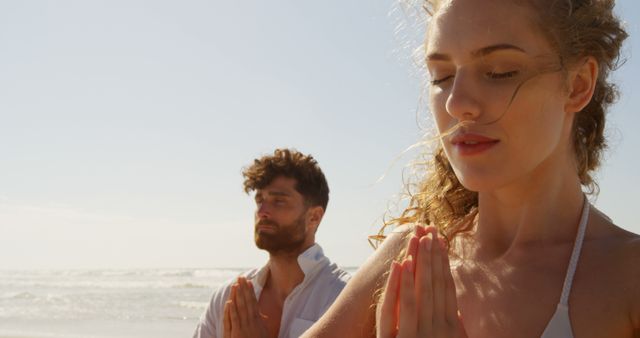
(472, 144)
(266, 227)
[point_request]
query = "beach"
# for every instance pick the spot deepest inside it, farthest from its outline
(105, 303)
(125, 303)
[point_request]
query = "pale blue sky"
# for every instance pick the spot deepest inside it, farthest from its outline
(124, 125)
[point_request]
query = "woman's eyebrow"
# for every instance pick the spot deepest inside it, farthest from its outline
(494, 48)
(477, 53)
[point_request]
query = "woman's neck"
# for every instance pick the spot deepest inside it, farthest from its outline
(542, 208)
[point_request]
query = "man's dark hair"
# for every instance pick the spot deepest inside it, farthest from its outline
(310, 181)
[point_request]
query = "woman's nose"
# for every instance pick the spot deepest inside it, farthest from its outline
(462, 102)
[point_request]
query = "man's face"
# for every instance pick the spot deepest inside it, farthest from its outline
(281, 217)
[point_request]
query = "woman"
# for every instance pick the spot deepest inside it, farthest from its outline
(518, 92)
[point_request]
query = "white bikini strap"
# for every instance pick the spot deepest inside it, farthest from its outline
(575, 255)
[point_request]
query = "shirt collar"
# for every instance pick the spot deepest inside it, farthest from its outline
(310, 261)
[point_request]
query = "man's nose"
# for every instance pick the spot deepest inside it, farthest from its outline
(262, 211)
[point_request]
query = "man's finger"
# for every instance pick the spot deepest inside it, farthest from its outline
(241, 303)
(233, 314)
(250, 300)
(227, 320)
(387, 312)
(234, 289)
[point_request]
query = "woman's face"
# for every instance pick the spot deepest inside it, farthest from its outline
(478, 54)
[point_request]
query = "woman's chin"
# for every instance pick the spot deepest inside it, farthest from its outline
(478, 182)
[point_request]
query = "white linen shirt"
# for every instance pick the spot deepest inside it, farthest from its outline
(306, 303)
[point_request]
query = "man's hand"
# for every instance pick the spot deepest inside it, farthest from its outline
(241, 316)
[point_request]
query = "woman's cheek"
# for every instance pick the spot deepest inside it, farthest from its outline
(438, 102)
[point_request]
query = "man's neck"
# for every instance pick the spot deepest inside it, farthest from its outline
(285, 273)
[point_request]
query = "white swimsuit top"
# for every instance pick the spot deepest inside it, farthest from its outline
(560, 325)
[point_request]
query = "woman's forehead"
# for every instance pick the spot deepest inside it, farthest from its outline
(461, 26)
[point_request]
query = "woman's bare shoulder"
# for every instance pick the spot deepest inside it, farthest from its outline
(353, 312)
(628, 263)
(616, 244)
(618, 256)
(628, 254)
(615, 241)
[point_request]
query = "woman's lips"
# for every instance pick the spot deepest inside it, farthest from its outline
(472, 144)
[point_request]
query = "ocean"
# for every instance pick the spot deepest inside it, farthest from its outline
(140, 303)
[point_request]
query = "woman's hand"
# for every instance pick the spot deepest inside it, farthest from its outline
(420, 297)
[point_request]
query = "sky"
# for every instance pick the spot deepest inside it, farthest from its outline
(124, 125)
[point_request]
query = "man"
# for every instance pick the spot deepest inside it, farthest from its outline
(298, 283)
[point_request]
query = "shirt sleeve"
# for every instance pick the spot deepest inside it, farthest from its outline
(211, 319)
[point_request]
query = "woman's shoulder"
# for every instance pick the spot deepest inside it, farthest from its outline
(615, 243)
(615, 239)
(626, 271)
(612, 263)
(628, 253)
(624, 249)
(618, 252)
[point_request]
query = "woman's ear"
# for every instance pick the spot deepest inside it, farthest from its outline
(582, 84)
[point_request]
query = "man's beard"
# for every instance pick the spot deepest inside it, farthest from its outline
(287, 238)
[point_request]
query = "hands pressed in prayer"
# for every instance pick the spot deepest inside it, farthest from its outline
(420, 296)
(242, 319)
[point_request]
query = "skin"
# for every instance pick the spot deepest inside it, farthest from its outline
(244, 315)
(420, 297)
(530, 200)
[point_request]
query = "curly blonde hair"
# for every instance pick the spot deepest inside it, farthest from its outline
(576, 29)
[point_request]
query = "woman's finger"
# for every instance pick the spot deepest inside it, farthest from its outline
(431, 230)
(451, 300)
(408, 316)
(424, 288)
(438, 280)
(387, 313)
(462, 332)
(412, 250)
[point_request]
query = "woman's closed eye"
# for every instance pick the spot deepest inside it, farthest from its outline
(503, 75)
(436, 82)
(491, 75)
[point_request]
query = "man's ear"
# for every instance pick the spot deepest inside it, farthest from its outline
(582, 84)
(314, 215)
